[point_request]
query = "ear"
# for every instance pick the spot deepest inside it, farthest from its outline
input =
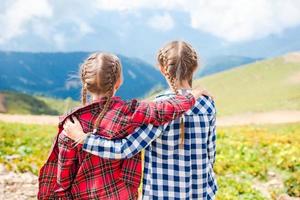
(118, 83)
(162, 69)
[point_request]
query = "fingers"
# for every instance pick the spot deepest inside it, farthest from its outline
(68, 121)
(76, 121)
(200, 92)
(67, 125)
(206, 93)
(197, 93)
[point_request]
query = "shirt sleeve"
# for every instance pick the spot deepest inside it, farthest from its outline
(162, 112)
(67, 165)
(211, 143)
(122, 148)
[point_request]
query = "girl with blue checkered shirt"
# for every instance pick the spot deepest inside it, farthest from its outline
(179, 156)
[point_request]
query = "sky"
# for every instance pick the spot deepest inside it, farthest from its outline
(138, 28)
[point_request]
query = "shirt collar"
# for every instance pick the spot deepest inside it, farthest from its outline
(169, 93)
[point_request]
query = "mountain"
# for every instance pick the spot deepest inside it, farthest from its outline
(266, 85)
(217, 64)
(19, 103)
(262, 86)
(52, 74)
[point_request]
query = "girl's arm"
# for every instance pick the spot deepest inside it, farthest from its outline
(161, 112)
(211, 142)
(122, 148)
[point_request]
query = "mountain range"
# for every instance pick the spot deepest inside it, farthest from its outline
(221, 63)
(56, 74)
(261, 86)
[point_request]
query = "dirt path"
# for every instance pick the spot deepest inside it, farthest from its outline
(14, 186)
(275, 117)
(30, 119)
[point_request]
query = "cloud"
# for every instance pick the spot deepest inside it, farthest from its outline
(60, 23)
(18, 14)
(242, 20)
(129, 5)
(231, 20)
(161, 22)
(59, 40)
(56, 22)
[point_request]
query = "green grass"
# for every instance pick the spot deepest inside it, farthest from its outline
(19, 103)
(248, 152)
(244, 154)
(29, 143)
(60, 105)
(257, 87)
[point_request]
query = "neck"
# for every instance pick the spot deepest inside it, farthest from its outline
(183, 85)
(97, 96)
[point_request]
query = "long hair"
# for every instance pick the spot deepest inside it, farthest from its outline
(99, 73)
(180, 60)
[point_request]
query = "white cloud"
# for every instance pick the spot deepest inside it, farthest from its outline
(17, 14)
(129, 5)
(84, 27)
(231, 20)
(161, 22)
(59, 40)
(51, 21)
(241, 20)
(61, 23)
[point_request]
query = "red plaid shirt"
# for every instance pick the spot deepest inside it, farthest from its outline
(71, 173)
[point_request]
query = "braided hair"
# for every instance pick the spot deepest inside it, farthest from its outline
(179, 61)
(99, 74)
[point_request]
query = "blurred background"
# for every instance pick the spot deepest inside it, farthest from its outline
(250, 61)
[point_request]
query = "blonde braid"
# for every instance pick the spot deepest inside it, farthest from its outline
(172, 80)
(86, 64)
(110, 94)
(84, 87)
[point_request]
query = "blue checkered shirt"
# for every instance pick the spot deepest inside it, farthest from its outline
(170, 172)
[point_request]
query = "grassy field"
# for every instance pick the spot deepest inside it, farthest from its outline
(245, 156)
(19, 103)
(258, 87)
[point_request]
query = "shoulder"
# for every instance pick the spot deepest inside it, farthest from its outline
(130, 105)
(164, 96)
(89, 108)
(203, 105)
(70, 112)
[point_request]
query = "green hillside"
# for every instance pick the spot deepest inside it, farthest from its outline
(266, 85)
(19, 103)
(262, 86)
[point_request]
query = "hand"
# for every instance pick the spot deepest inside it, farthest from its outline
(197, 93)
(74, 130)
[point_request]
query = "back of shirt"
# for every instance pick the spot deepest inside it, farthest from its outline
(175, 172)
(72, 172)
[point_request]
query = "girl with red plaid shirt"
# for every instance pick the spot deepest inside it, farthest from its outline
(70, 172)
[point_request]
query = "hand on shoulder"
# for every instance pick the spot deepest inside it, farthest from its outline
(197, 93)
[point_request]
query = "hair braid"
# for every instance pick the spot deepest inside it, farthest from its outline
(112, 79)
(172, 82)
(163, 59)
(84, 86)
(84, 66)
